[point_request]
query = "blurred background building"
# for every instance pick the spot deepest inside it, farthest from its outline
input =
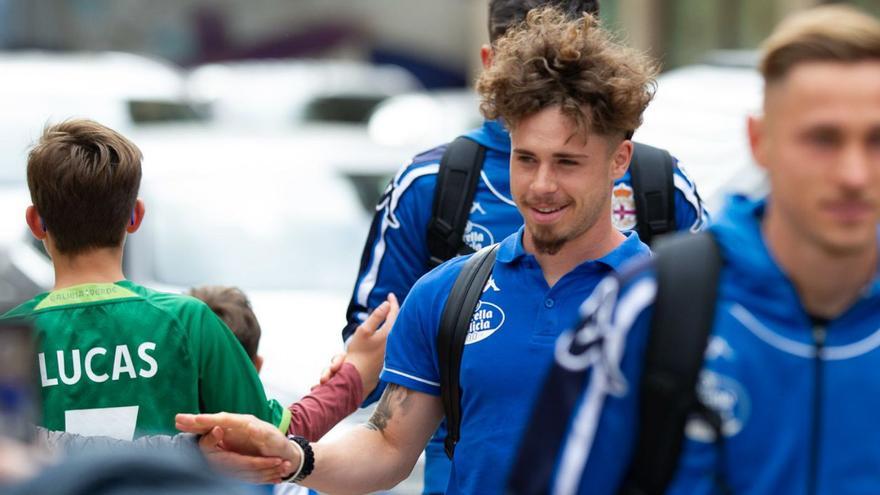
(682, 31)
(434, 39)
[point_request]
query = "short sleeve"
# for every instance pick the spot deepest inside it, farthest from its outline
(411, 353)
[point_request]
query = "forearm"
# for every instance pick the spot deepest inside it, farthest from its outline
(315, 414)
(381, 453)
(370, 457)
(361, 461)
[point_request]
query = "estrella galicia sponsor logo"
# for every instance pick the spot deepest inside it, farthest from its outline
(477, 237)
(487, 320)
(728, 398)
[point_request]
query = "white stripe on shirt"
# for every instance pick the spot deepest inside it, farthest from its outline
(368, 283)
(687, 190)
(412, 377)
(495, 191)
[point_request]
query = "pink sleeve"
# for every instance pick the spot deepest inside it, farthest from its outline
(327, 404)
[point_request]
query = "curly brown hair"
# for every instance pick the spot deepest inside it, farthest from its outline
(503, 14)
(575, 64)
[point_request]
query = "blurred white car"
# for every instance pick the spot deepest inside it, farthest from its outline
(425, 119)
(399, 128)
(699, 114)
(260, 214)
(119, 90)
(281, 93)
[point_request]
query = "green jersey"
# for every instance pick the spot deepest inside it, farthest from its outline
(121, 360)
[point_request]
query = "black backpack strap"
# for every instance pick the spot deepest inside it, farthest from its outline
(454, 324)
(688, 268)
(653, 182)
(453, 196)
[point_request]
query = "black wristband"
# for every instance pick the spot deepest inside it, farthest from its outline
(308, 460)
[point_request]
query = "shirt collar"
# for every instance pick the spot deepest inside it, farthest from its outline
(492, 135)
(511, 249)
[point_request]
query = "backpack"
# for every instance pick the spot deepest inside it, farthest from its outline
(687, 269)
(651, 169)
(454, 325)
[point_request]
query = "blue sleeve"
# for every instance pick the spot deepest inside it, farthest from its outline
(690, 213)
(411, 352)
(605, 424)
(395, 254)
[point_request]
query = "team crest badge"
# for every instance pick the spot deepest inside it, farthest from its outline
(623, 207)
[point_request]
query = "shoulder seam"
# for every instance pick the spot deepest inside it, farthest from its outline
(178, 324)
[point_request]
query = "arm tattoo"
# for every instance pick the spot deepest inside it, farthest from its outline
(395, 398)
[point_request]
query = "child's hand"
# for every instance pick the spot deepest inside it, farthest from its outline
(366, 350)
(335, 365)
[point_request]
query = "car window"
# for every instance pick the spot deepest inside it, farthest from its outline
(166, 111)
(348, 109)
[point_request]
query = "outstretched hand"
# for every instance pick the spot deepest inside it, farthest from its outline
(366, 349)
(242, 445)
(335, 365)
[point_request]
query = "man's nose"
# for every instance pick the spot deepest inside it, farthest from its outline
(855, 168)
(545, 179)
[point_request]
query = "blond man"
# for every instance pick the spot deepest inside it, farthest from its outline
(788, 387)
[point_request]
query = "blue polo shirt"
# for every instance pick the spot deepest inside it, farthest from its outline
(508, 349)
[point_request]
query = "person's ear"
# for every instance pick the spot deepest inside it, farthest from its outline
(621, 158)
(486, 55)
(757, 137)
(137, 216)
(258, 362)
(35, 223)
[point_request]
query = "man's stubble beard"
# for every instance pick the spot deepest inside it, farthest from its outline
(547, 243)
(549, 246)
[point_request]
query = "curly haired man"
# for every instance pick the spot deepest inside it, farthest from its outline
(569, 95)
